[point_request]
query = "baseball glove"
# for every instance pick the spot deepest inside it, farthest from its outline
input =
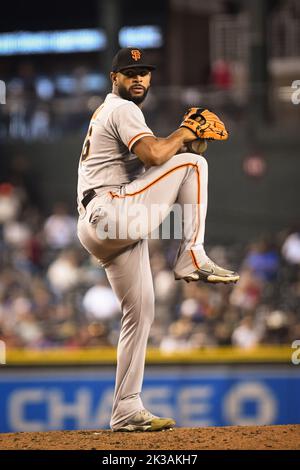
(204, 124)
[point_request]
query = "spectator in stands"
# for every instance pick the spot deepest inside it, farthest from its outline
(246, 335)
(291, 247)
(60, 228)
(263, 260)
(10, 202)
(247, 293)
(221, 75)
(100, 303)
(277, 327)
(179, 336)
(40, 123)
(64, 272)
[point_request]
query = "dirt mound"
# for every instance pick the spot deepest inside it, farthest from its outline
(235, 437)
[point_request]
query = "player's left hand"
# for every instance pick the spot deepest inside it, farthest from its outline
(204, 124)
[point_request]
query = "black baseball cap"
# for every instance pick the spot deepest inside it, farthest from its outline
(129, 57)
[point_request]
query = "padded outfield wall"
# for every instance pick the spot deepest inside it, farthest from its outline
(73, 389)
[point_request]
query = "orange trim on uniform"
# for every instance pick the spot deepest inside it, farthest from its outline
(136, 138)
(198, 220)
(198, 199)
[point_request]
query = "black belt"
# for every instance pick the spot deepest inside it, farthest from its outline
(88, 197)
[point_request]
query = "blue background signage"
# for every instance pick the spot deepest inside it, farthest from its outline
(194, 396)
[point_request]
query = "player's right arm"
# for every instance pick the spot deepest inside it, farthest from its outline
(154, 151)
(129, 125)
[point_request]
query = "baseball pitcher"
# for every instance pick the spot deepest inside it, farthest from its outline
(123, 166)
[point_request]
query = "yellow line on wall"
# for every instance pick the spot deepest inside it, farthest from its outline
(273, 354)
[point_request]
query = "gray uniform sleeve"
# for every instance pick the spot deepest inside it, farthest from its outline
(129, 123)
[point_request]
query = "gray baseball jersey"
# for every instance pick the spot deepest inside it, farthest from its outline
(106, 157)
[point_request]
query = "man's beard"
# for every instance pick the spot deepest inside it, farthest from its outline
(126, 95)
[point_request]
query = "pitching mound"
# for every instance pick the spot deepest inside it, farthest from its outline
(235, 437)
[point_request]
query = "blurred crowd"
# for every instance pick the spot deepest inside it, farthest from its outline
(45, 105)
(52, 294)
(39, 104)
(44, 91)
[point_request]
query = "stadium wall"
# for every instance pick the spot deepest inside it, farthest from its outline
(204, 388)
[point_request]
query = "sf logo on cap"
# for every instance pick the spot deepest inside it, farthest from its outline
(135, 54)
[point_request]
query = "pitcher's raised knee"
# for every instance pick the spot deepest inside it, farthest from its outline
(188, 157)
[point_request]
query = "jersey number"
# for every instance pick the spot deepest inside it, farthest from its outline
(86, 145)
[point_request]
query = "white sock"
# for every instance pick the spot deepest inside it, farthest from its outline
(200, 252)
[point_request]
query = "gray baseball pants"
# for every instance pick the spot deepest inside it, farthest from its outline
(182, 180)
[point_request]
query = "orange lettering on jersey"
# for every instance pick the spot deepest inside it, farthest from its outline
(135, 54)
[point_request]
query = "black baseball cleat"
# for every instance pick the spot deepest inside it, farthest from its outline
(212, 273)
